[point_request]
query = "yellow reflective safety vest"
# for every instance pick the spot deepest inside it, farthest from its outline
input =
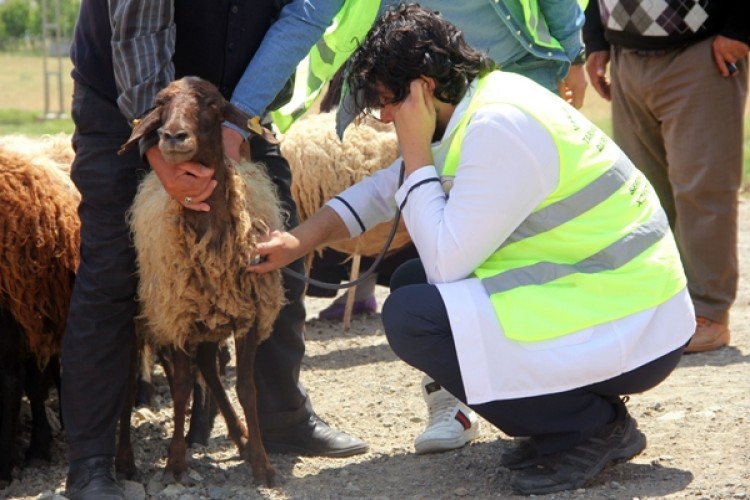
(348, 30)
(597, 249)
(524, 19)
(536, 24)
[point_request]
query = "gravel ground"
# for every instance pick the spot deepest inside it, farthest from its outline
(696, 422)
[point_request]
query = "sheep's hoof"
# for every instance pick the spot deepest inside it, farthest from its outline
(37, 462)
(171, 476)
(265, 475)
(38, 455)
(128, 472)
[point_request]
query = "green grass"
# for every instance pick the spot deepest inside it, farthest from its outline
(22, 84)
(31, 123)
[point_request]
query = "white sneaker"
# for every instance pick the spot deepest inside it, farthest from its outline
(451, 424)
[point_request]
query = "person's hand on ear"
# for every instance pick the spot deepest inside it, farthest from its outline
(415, 120)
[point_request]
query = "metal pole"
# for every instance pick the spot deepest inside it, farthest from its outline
(51, 39)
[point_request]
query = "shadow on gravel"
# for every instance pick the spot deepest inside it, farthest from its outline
(725, 356)
(348, 358)
(471, 472)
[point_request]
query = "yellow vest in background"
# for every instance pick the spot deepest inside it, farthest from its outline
(340, 40)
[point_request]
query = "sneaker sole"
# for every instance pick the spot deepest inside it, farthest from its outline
(615, 456)
(440, 445)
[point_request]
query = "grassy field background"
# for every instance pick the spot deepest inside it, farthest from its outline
(22, 95)
(22, 100)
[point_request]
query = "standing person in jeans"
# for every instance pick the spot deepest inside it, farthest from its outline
(123, 53)
(678, 91)
(548, 52)
(549, 283)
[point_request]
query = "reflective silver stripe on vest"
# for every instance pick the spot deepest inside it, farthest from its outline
(614, 256)
(576, 204)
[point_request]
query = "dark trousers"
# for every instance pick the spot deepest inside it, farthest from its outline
(417, 327)
(332, 266)
(100, 332)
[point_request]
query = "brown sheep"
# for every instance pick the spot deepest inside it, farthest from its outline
(39, 241)
(194, 288)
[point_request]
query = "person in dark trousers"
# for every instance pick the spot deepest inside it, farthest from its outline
(548, 283)
(678, 86)
(547, 50)
(123, 53)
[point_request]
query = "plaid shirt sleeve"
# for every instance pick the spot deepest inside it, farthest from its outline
(143, 41)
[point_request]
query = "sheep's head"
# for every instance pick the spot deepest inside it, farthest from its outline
(187, 116)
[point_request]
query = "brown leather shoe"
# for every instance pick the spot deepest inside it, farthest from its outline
(709, 335)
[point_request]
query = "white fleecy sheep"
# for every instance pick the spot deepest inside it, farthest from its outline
(324, 165)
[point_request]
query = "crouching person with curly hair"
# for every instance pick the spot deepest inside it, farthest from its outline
(548, 283)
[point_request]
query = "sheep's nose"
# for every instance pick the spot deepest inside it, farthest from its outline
(176, 137)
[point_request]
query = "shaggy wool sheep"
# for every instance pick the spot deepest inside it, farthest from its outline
(52, 151)
(39, 241)
(323, 166)
(194, 288)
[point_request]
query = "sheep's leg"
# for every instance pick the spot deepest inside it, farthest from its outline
(204, 409)
(144, 392)
(182, 384)
(200, 415)
(247, 394)
(124, 457)
(11, 390)
(207, 362)
(37, 390)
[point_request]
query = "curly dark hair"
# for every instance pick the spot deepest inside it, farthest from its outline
(407, 42)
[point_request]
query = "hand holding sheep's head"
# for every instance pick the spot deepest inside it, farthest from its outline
(187, 118)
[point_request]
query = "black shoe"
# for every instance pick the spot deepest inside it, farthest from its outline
(313, 438)
(523, 454)
(93, 479)
(571, 469)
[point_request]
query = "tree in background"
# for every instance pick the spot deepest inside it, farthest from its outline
(21, 22)
(15, 16)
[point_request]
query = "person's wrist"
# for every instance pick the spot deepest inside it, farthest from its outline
(242, 132)
(580, 59)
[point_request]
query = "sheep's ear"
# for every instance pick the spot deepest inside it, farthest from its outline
(141, 128)
(233, 114)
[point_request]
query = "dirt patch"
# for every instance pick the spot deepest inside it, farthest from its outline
(697, 424)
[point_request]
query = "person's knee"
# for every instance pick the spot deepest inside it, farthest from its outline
(396, 317)
(409, 273)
